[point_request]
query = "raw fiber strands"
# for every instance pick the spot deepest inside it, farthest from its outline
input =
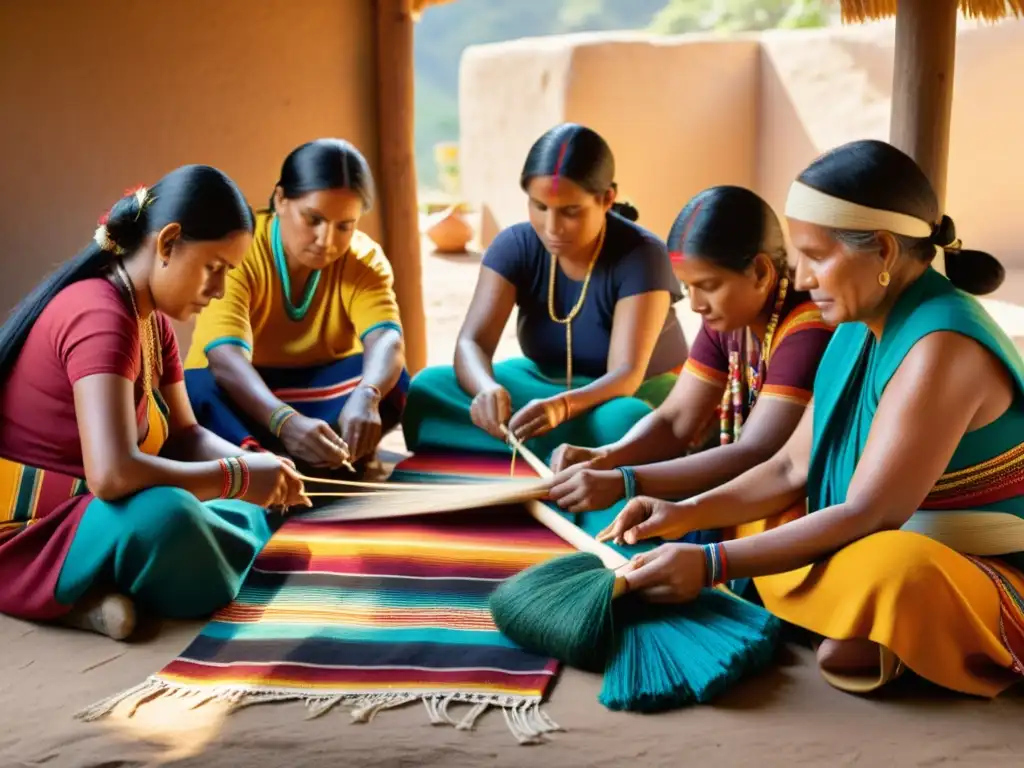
(654, 657)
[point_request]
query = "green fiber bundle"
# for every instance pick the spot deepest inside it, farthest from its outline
(654, 656)
(562, 607)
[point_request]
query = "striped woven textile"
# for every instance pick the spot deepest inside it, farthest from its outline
(27, 493)
(378, 613)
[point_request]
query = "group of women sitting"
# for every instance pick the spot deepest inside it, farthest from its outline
(845, 405)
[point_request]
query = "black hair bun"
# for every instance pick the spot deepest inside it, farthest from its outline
(626, 210)
(126, 222)
(944, 233)
(975, 272)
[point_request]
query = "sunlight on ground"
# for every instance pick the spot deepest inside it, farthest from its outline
(172, 723)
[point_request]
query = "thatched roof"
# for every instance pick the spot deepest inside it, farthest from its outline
(419, 5)
(862, 10)
(990, 10)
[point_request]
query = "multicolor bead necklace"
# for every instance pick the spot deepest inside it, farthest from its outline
(731, 408)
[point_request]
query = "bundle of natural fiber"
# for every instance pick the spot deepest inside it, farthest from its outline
(654, 657)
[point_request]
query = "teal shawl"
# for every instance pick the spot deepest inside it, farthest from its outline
(856, 369)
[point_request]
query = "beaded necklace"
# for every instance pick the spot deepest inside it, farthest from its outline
(149, 349)
(147, 337)
(294, 312)
(567, 320)
(731, 408)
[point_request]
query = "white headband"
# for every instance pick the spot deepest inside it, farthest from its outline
(805, 203)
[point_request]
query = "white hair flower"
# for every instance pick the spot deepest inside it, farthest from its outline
(103, 240)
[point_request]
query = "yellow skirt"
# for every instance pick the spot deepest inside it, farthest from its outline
(927, 607)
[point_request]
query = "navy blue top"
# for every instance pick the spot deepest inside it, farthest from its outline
(632, 261)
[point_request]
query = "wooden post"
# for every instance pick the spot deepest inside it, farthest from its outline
(922, 91)
(397, 169)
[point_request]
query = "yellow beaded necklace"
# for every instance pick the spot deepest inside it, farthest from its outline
(567, 320)
(147, 336)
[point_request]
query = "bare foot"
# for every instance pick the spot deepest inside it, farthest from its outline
(111, 615)
(848, 656)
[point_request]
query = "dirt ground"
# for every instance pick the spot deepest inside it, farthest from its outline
(786, 717)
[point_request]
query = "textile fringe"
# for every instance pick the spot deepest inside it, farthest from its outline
(523, 714)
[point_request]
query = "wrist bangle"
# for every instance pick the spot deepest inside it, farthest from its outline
(278, 419)
(236, 477)
(716, 564)
(628, 482)
(568, 407)
(243, 468)
(251, 444)
(225, 470)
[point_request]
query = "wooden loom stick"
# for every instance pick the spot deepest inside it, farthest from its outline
(370, 506)
(557, 524)
(490, 494)
(358, 494)
(382, 486)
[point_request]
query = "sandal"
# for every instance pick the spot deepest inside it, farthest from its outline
(890, 667)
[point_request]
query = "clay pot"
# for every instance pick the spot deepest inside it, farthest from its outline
(449, 231)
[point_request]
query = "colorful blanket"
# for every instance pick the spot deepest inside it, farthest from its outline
(379, 613)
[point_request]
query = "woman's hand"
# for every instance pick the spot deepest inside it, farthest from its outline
(360, 424)
(647, 518)
(581, 489)
(314, 442)
(671, 573)
(491, 410)
(538, 417)
(274, 482)
(565, 456)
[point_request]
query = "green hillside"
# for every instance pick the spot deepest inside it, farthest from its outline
(445, 31)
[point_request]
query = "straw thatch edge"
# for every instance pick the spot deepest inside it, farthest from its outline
(856, 11)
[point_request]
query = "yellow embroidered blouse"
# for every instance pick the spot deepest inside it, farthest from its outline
(355, 295)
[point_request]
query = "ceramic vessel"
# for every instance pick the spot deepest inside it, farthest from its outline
(449, 231)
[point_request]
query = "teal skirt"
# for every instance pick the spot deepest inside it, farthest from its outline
(437, 418)
(175, 556)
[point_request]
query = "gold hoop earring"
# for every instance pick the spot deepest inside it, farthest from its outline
(883, 278)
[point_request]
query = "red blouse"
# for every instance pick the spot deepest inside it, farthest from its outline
(87, 329)
(799, 343)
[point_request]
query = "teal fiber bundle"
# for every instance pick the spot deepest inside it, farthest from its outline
(672, 655)
(562, 607)
(654, 656)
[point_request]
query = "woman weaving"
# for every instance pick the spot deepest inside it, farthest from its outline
(596, 325)
(902, 459)
(760, 342)
(114, 496)
(304, 353)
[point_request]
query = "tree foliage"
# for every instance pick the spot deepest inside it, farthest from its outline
(445, 31)
(679, 16)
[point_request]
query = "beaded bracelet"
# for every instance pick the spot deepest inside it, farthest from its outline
(628, 481)
(716, 563)
(278, 419)
(236, 477)
(252, 444)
